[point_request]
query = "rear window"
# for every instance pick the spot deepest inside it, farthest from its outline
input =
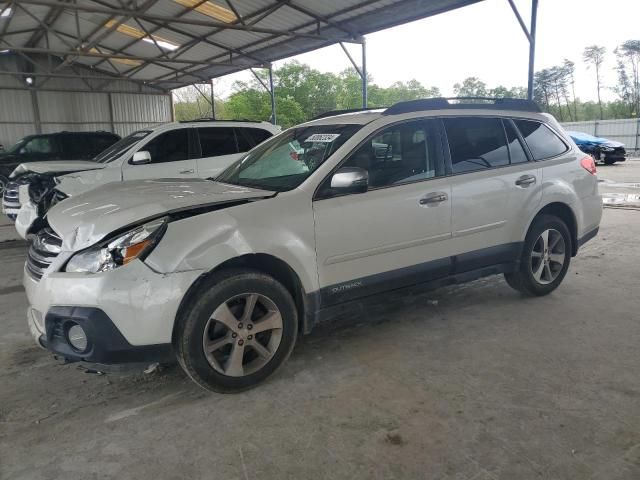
(476, 143)
(542, 142)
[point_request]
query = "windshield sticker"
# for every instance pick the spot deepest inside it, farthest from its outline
(322, 137)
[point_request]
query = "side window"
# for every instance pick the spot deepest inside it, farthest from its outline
(476, 143)
(39, 145)
(516, 150)
(245, 141)
(258, 135)
(170, 146)
(402, 153)
(99, 143)
(542, 142)
(216, 141)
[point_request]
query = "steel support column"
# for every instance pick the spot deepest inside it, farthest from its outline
(213, 103)
(273, 95)
(530, 33)
(532, 47)
(365, 93)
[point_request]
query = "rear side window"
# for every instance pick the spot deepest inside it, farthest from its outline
(542, 142)
(216, 141)
(256, 135)
(476, 143)
(170, 146)
(516, 151)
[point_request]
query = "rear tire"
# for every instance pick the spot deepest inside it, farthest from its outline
(240, 327)
(546, 255)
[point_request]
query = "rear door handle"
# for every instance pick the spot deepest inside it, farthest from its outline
(434, 198)
(186, 172)
(525, 180)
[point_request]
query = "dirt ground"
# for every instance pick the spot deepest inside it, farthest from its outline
(467, 382)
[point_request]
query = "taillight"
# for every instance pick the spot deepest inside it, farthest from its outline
(589, 164)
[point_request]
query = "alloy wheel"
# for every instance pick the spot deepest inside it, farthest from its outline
(242, 335)
(548, 256)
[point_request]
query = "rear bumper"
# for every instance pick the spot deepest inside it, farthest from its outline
(105, 343)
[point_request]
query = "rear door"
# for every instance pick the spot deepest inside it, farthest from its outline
(170, 157)
(218, 150)
(494, 184)
(398, 232)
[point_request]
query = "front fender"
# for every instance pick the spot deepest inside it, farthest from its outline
(205, 241)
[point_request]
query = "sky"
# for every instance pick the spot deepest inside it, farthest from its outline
(485, 40)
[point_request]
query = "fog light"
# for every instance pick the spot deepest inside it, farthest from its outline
(77, 338)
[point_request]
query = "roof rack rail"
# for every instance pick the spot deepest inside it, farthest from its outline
(442, 103)
(220, 120)
(332, 113)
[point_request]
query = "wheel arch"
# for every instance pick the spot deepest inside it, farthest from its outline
(269, 265)
(564, 212)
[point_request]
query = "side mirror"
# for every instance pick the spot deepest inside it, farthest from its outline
(140, 158)
(350, 180)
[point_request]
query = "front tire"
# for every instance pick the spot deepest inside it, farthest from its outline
(239, 329)
(546, 255)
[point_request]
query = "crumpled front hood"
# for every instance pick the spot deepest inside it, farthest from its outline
(85, 219)
(56, 166)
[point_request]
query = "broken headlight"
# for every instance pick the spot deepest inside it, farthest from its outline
(136, 243)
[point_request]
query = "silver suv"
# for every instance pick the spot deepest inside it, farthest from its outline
(223, 275)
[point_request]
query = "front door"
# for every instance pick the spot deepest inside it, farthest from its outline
(170, 158)
(395, 234)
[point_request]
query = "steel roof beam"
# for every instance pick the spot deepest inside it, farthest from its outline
(184, 21)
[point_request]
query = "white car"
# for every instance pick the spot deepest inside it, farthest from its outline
(224, 275)
(175, 150)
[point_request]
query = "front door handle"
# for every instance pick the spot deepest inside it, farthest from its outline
(434, 198)
(187, 172)
(525, 180)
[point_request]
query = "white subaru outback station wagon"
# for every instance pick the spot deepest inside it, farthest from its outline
(224, 275)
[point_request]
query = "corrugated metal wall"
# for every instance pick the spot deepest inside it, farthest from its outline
(626, 131)
(60, 104)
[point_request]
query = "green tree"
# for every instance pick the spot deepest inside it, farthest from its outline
(470, 87)
(594, 55)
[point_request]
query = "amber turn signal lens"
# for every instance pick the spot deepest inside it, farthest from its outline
(132, 252)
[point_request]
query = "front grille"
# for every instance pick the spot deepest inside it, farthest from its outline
(43, 250)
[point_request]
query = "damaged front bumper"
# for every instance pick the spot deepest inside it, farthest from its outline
(127, 314)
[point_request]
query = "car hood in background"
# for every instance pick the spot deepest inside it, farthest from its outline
(56, 166)
(582, 138)
(87, 218)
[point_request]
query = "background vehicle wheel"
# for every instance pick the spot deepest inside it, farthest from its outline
(239, 330)
(546, 255)
(608, 161)
(3, 184)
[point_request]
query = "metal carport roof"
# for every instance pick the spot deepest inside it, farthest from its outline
(172, 43)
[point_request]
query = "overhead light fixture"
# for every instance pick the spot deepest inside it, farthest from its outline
(29, 80)
(137, 33)
(124, 61)
(209, 9)
(4, 51)
(6, 12)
